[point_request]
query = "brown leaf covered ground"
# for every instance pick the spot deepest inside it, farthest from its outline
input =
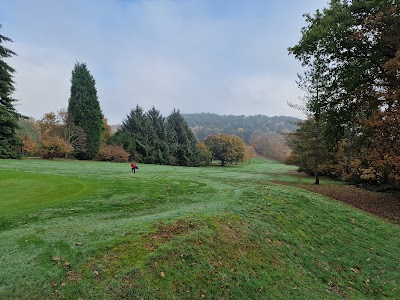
(380, 204)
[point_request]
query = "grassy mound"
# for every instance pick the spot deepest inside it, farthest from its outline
(94, 230)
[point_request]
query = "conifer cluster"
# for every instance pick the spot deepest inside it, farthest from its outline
(151, 138)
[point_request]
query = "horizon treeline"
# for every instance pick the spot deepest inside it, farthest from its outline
(267, 135)
(245, 127)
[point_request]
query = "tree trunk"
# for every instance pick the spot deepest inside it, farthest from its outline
(316, 177)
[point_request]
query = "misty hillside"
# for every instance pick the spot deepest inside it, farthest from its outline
(204, 124)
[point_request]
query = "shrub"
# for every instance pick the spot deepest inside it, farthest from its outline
(112, 153)
(54, 147)
(29, 147)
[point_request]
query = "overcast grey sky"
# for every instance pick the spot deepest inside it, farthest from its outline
(224, 57)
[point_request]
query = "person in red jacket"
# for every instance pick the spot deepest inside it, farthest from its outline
(134, 166)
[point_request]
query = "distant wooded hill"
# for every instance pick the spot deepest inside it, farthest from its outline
(204, 124)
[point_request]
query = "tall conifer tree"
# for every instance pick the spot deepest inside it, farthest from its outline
(158, 137)
(9, 141)
(182, 142)
(84, 110)
(134, 134)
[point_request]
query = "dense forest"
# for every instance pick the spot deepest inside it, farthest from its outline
(205, 124)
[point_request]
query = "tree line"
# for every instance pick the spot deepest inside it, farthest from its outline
(150, 138)
(81, 131)
(267, 135)
(245, 127)
(351, 51)
(143, 137)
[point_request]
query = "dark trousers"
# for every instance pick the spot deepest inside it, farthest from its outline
(133, 170)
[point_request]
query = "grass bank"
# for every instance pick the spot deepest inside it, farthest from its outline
(94, 230)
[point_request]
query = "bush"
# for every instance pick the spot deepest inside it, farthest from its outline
(29, 147)
(112, 153)
(54, 147)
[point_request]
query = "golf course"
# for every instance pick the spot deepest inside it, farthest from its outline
(94, 230)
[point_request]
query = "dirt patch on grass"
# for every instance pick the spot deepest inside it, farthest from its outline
(380, 204)
(167, 231)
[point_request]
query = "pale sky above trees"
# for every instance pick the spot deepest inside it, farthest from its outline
(224, 57)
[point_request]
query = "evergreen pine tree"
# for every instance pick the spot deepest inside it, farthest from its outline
(134, 132)
(182, 142)
(309, 150)
(84, 110)
(10, 143)
(158, 137)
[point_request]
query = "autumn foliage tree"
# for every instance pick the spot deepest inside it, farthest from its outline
(113, 153)
(205, 154)
(106, 132)
(29, 132)
(249, 153)
(353, 49)
(54, 147)
(226, 148)
(52, 132)
(74, 134)
(270, 144)
(29, 146)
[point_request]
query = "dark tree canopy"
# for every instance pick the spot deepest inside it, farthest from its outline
(352, 53)
(309, 149)
(10, 143)
(183, 144)
(84, 110)
(150, 138)
(134, 134)
(157, 137)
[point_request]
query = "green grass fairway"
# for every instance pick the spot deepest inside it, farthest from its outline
(94, 230)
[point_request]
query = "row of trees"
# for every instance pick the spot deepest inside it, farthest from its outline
(82, 131)
(245, 127)
(76, 132)
(352, 92)
(267, 135)
(150, 138)
(53, 136)
(49, 138)
(271, 144)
